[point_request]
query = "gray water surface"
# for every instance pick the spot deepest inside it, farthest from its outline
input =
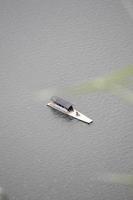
(46, 44)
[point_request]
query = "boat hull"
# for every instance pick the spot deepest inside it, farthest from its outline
(75, 114)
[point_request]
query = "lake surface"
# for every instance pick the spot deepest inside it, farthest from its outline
(48, 44)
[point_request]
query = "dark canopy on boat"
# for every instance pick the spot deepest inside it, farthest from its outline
(63, 103)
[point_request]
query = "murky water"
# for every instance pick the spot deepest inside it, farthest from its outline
(46, 155)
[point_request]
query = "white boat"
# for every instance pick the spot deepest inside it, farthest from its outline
(68, 109)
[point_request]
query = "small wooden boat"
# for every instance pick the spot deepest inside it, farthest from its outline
(67, 108)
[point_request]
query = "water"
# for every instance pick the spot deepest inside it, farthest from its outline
(43, 154)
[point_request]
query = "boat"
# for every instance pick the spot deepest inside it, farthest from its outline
(67, 108)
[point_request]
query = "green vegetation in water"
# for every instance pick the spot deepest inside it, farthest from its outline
(118, 83)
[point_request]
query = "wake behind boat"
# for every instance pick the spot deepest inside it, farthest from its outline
(67, 108)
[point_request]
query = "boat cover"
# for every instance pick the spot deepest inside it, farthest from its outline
(63, 103)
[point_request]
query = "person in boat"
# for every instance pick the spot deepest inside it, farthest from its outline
(77, 113)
